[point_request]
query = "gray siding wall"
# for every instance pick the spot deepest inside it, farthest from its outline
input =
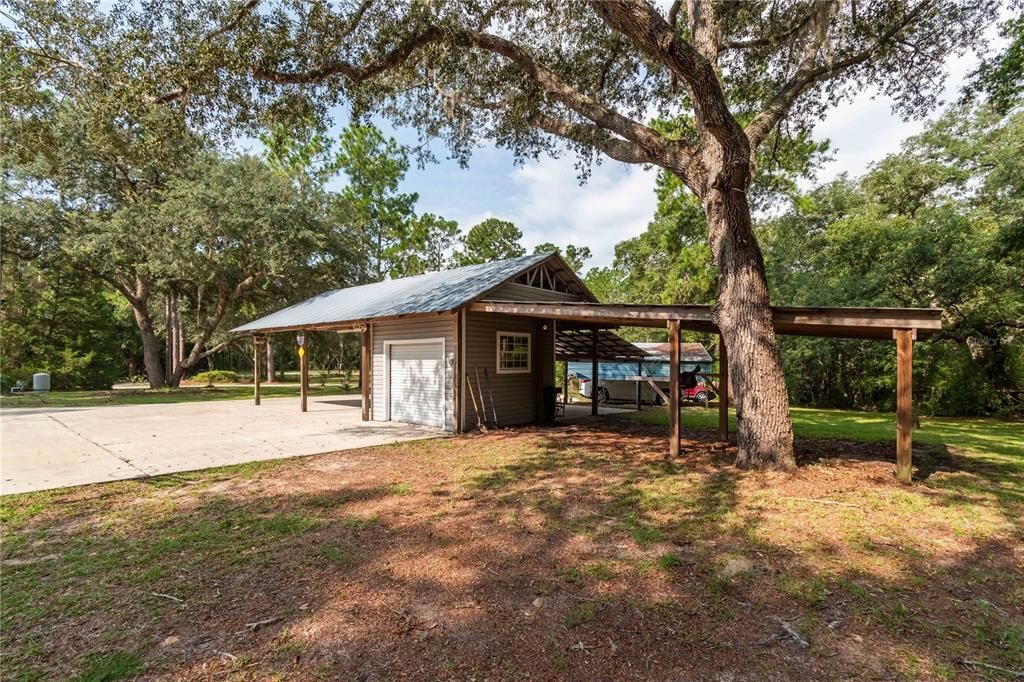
(514, 395)
(404, 330)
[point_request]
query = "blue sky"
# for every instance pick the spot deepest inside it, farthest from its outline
(545, 200)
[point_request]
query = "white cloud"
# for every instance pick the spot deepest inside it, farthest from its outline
(550, 205)
(865, 130)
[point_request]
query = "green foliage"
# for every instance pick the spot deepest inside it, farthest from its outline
(381, 214)
(1001, 78)
(54, 321)
(490, 240)
(671, 261)
(429, 245)
(574, 255)
(937, 224)
(215, 376)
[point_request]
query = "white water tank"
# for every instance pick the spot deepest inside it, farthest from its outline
(41, 382)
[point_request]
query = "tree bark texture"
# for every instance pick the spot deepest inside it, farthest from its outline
(150, 345)
(764, 429)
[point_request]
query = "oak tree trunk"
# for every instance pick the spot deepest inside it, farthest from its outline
(743, 314)
(151, 346)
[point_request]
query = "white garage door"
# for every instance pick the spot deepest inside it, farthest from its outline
(417, 383)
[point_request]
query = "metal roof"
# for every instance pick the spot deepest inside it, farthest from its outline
(577, 344)
(433, 292)
(689, 352)
(623, 371)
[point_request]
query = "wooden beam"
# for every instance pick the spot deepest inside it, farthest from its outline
(675, 429)
(657, 389)
(643, 315)
(256, 369)
(723, 391)
(303, 373)
(595, 384)
(904, 402)
(867, 323)
(365, 372)
(639, 373)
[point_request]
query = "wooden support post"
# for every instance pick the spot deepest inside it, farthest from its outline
(456, 373)
(639, 384)
(365, 372)
(537, 362)
(304, 374)
(270, 361)
(904, 401)
(723, 391)
(565, 385)
(676, 432)
(595, 385)
(256, 370)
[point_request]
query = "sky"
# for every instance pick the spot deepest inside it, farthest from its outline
(546, 201)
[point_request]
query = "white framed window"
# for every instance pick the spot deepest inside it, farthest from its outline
(514, 353)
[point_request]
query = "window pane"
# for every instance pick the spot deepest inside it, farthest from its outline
(513, 352)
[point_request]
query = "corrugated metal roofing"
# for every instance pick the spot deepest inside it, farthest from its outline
(693, 352)
(433, 292)
(618, 371)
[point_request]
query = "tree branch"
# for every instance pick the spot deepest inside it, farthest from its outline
(247, 7)
(671, 154)
(646, 28)
(208, 352)
(231, 25)
(703, 28)
(772, 40)
(357, 16)
(807, 75)
(593, 136)
(673, 13)
(356, 73)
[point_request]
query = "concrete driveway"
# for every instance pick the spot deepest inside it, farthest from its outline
(57, 447)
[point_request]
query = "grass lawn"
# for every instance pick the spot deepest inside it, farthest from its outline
(574, 552)
(161, 395)
(989, 438)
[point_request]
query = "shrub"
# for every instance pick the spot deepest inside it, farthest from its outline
(215, 376)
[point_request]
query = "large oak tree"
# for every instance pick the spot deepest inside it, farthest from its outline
(533, 76)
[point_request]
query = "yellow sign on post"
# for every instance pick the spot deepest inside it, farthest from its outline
(302, 351)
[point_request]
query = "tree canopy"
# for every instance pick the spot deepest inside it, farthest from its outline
(491, 239)
(600, 77)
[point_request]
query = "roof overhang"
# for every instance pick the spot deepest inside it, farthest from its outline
(578, 345)
(854, 323)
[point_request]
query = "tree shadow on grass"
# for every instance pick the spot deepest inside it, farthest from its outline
(574, 553)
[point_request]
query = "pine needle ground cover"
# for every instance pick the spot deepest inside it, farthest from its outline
(571, 552)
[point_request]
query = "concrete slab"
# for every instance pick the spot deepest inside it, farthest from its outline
(574, 411)
(43, 448)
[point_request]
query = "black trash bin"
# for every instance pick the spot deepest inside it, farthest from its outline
(550, 400)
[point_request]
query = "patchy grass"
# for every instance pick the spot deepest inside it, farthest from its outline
(131, 396)
(991, 437)
(109, 667)
(573, 551)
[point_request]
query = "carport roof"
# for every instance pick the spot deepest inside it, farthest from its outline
(433, 292)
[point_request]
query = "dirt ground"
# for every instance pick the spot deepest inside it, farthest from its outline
(573, 553)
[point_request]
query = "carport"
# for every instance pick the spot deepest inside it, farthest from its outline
(578, 321)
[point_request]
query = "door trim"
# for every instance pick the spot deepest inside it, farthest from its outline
(437, 340)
